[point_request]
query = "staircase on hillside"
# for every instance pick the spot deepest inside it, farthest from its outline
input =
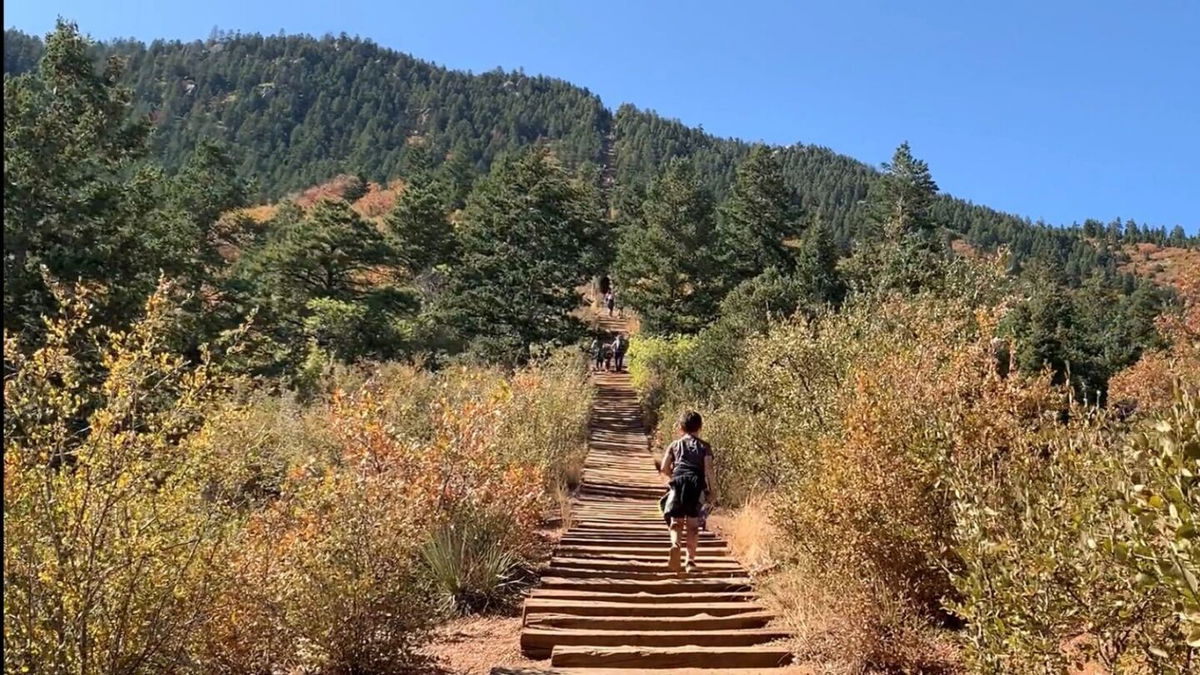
(608, 601)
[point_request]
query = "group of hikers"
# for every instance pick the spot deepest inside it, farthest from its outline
(609, 356)
(687, 463)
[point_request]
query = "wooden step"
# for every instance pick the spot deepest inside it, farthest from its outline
(633, 550)
(537, 642)
(638, 622)
(676, 585)
(577, 572)
(670, 657)
(563, 593)
(627, 565)
(547, 670)
(702, 558)
(624, 544)
(605, 608)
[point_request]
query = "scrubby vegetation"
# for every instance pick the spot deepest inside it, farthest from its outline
(972, 514)
(170, 516)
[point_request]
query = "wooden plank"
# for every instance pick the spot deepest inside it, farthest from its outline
(670, 657)
(538, 642)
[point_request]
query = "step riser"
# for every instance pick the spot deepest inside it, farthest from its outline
(657, 598)
(635, 585)
(732, 657)
(539, 643)
(579, 573)
(695, 623)
(619, 565)
(642, 610)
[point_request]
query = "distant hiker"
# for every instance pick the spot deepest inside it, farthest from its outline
(609, 302)
(608, 356)
(597, 351)
(605, 285)
(688, 463)
(620, 346)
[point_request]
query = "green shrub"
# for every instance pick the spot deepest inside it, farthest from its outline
(471, 564)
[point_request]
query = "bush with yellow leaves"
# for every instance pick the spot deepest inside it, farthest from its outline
(112, 552)
(160, 517)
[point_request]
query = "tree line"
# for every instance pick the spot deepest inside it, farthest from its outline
(699, 231)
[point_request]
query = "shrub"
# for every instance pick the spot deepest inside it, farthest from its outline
(111, 551)
(162, 518)
(906, 467)
(471, 564)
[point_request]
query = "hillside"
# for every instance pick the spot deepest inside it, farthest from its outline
(301, 110)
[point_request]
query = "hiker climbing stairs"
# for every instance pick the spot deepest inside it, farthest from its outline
(608, 600)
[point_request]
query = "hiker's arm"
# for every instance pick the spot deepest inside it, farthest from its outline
(665, 465)
(710, 478)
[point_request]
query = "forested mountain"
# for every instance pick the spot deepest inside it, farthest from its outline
(300, 109)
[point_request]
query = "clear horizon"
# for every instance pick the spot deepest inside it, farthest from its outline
(1064, 113)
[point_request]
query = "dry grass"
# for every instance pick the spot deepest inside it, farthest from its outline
(839, 626)
(750, 533)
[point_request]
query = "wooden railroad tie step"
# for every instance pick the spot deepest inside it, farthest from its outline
(538, 642)
(670, 657)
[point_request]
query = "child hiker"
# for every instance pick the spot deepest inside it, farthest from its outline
(688, 464)
(597, 349)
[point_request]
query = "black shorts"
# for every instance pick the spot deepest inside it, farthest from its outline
(689, 492)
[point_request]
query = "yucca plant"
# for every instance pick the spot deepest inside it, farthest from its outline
(471, 564)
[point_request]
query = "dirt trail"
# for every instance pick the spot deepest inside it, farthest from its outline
(608, 601)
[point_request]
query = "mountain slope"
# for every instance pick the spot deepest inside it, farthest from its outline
(301, 110)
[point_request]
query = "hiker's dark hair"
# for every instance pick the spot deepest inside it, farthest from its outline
(690, 421)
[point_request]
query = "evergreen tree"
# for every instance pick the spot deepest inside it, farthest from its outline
(421, 234)
(75, 206)
(325, 254)
(816, 267)
(524, 233)
(902, 198)
(666, 262)
(757, 219)
(321, 276)
(770, 296)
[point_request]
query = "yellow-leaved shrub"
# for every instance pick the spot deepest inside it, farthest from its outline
(160, 517)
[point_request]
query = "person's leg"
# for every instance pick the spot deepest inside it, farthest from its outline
(673, 559)
(693, 540)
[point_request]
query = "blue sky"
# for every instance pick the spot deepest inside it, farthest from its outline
(1053, 109)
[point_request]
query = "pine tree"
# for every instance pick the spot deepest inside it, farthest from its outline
(816, 267)
(325, 254)
(524, 233)
(902, 198)
(321, 277)
(420, 232)
(666, 263)
(75, 204)
(757, 219)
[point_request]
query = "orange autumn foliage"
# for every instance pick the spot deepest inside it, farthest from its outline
(378, 200)
(1149, 384)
